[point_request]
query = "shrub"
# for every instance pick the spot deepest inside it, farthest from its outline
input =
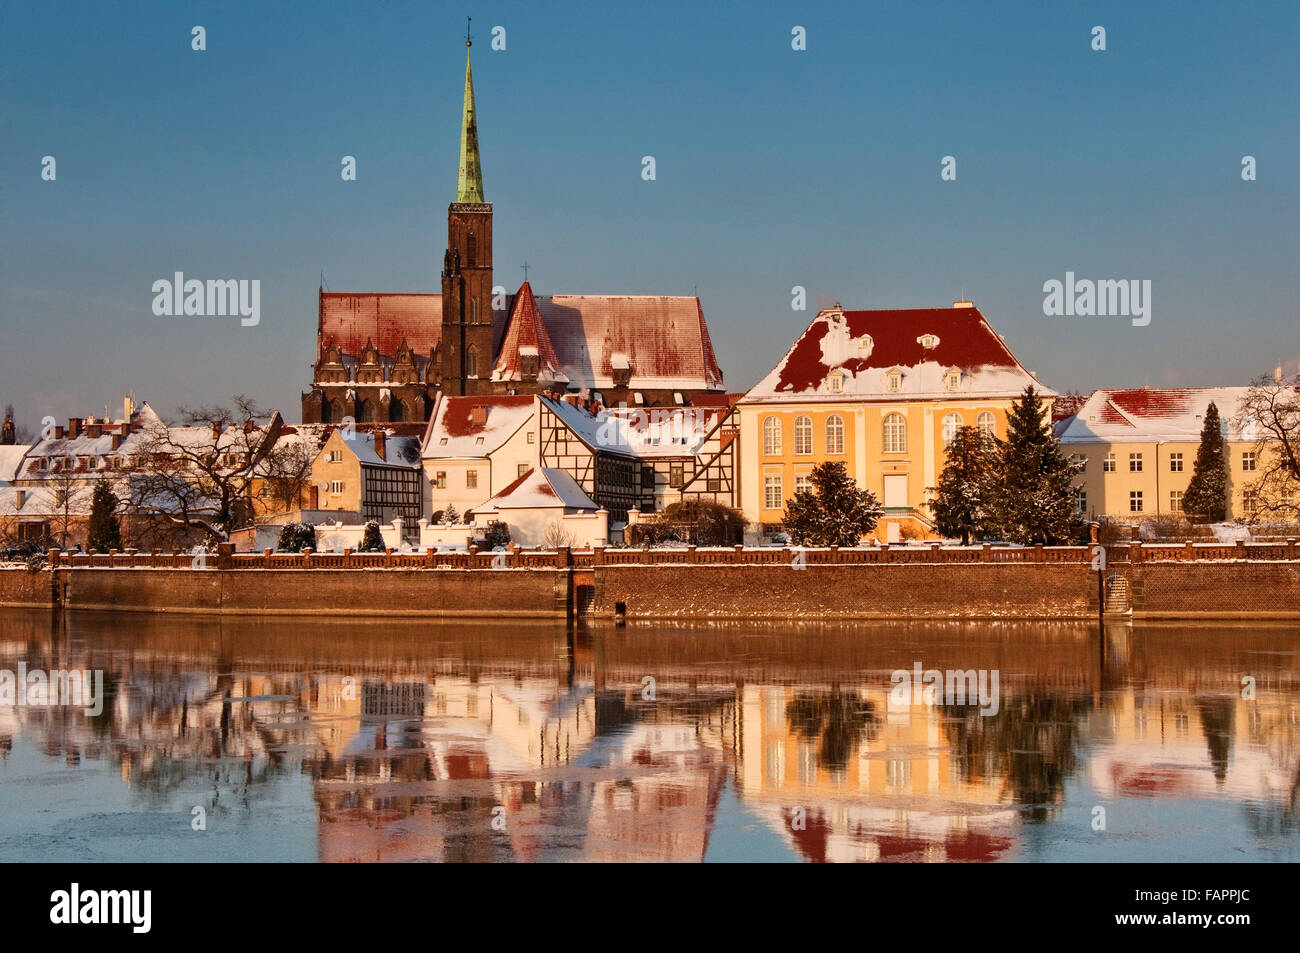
(372, 541)
(497, 534)
(295, 537)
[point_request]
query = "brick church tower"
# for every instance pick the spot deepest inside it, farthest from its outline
(467, 328)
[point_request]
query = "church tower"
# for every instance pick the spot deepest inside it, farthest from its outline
(467, 331)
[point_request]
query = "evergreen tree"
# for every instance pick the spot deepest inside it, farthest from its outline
(105, 531)
(1029, 492)
(372, 541)
(1207, 491)
(958, 505)
(295, 537)
(835, 512)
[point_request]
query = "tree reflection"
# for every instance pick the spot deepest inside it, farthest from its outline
(842, 720)
(1031, 744)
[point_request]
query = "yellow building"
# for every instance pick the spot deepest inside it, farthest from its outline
(375, 474)
(1138, 446)
(881, 391)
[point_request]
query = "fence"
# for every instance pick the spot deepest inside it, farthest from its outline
(563, 558)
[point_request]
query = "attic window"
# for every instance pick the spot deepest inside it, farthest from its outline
(928, 341)
(835, 381)
(952, 379)
(442, 442)
(865, 344)
(478, 441)
(894, 381)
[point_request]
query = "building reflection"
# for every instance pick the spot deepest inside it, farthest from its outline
(449, 743)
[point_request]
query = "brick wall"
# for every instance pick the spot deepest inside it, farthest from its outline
(856, 591)
(1263, 588)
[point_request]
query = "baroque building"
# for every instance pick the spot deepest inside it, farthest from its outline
(386, 357)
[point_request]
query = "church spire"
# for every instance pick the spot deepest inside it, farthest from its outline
(469, 184)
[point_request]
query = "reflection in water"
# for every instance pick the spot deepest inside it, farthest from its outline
(457, 741)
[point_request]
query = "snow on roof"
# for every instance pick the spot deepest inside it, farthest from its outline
(526, 335)
(664, 339)
(541, 488)
(453, 433)
(1143, 415)
(11, 457)
(40, 502)
(641, 431)
(866, 346)
(398, 451)
(350, 319)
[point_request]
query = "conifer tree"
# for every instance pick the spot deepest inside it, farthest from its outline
(958, 506)
(372, 541)
(105, 531)
(835, 512)
(1030, 491)
(1207, 491)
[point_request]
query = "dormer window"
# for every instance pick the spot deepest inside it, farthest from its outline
(952, 378)
(865, 344)
(894, 380)
(835, 381)
(928, 341)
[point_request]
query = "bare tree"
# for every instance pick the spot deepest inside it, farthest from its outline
(69, 493)
(556, 536)
(197, 479)
(286, 470)
(1270, 412)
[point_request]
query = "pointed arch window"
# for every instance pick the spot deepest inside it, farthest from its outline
(471, 249)
(471, 362)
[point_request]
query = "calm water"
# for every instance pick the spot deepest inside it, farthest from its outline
(335, 740)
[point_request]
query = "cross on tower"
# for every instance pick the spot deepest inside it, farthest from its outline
(525, 266)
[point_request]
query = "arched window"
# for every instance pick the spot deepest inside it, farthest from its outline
(368, 411)
(771, 436)
(950, 425)
(472, 248)
(335, 412)
(803, 434)
(834, 434)
(473, 310)
(395, 411)
(471, 362)
(987, 424)
(895, 434)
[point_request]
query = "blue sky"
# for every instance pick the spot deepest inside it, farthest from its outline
(775, 168)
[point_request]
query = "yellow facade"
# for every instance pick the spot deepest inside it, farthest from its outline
(900, 472)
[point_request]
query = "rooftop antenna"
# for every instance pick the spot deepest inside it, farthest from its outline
(322, 280)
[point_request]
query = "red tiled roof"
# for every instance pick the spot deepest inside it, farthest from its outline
(385, 319)
(664, 338)
(1142, 402)
(526, 329)
(965, 340)
(458, 415)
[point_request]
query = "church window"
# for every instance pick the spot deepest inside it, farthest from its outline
(471, 357)
(472, 247)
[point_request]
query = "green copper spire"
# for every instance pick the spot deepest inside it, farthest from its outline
(469, 184)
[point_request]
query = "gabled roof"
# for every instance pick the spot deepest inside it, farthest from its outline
(541, 487)
(453, 422)
(641, 432)
(526, 334)
(11, 457)
(351, 319)
(663, 340)
(398, 451)
(1142, 414)
(922, 344)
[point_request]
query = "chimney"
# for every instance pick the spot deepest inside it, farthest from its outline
(58, 432)
(216, 429)
(380, 448)
(963, 304)
(1277, 375)
(478, 416)
(94, 431)
(74, 426)
(117, 440)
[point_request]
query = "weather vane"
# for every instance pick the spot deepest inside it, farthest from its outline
(468, 41)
